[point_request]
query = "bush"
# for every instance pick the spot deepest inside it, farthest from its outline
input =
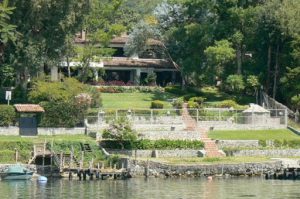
(235, 83)
(62, 114)
(178, 103)
(62, 91)
(193, 105)
(7, 115)
(157, 104)
(196, 102)
(120, 130)
(227, 104)
(187, 97)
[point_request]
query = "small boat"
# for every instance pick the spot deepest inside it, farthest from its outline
(17, 172)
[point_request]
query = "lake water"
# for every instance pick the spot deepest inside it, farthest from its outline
(153, 188)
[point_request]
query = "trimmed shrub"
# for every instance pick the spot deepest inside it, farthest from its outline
(153, 144)
(7, 115)
(227, 104)
(157, 104)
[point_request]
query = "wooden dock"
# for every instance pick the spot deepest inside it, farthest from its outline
(68, 165)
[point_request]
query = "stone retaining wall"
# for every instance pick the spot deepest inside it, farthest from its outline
(237, 143)
(268, 153)
(157, 153)
(170, 135)
(138, 168)
(44, 131)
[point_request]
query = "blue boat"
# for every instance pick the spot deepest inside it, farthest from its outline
(17, 172)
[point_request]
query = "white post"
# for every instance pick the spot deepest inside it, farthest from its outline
(151, 119)
(286, 117)
(197, 116)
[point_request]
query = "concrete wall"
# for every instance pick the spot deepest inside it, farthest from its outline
(61, 131)
(160, 153)
(44, 131)
(9, 130)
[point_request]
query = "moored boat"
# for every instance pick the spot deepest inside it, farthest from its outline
(17, 172)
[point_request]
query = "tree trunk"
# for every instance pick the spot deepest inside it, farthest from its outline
(269, 68)
(276, 71)
(69, 68)
(239, 60)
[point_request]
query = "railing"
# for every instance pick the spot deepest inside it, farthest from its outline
(216, 116)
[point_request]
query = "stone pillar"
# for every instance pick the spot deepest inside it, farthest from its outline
(132, 76)
(137, 77)
(96, 74)
(297, 116)
(54, 73)
(173, 77)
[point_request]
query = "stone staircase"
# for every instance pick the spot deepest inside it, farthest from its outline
(210, 146)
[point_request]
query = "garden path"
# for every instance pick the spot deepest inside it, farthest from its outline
(210, 146)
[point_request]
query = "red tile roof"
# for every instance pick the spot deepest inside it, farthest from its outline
(29, 108)
(143, 63)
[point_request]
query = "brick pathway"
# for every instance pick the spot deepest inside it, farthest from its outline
(210, 146)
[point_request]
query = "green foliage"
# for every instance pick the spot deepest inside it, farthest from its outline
(177, 90)
(7, 30)
(61, 91)
(178, 103)
(228, 104)
(7, 115)
(62, 114)
(66, 103)
(151, 79)
(235, 83)
(120, 130)
(154, 144)
(296, 101)
(157, 104)
(219, 55)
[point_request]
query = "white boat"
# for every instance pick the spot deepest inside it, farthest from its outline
(16, 172)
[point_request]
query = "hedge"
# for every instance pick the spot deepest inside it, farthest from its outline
(157, 104)
(153, 144)
(7, 115)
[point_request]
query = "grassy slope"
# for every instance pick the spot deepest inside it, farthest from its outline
(134, 100)
(24, 145)
(254, 135)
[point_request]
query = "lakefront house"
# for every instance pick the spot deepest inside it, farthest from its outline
(129, 70)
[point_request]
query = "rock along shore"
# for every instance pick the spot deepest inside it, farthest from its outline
(158, 169)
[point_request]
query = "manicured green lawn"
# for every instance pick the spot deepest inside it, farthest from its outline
(283, 134)
(134, 100)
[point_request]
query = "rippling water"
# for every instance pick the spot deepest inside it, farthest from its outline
(152, 188)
